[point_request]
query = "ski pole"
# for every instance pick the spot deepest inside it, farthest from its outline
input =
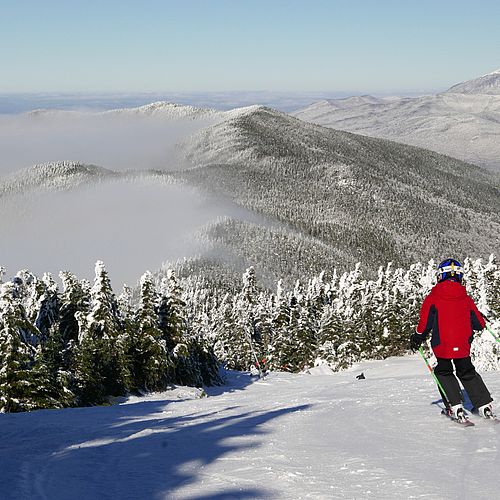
(486, 321)
(443, 392)
(494, 335)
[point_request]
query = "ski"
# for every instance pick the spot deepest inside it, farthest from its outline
(464, 423)
(493, 419)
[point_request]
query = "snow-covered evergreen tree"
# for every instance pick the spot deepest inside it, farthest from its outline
(146, 348)
(100, 361)
(23, 387)
(172, 314)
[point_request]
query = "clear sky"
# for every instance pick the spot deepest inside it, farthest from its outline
(219, 45)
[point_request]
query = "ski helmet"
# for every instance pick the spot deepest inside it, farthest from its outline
(450, 269)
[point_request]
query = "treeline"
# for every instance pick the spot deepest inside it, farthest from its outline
(81, 345)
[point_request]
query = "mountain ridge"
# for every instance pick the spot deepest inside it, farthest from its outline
(485, 84)
(346, 184)
(463, 125)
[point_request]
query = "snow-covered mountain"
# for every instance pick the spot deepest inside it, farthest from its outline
(486, 84)
(159, 109)
(321, 436)
(463, 122)
(369, 200)
(325, 198)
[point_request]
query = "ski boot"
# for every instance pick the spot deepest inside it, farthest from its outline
(458, 414)
(486, 411)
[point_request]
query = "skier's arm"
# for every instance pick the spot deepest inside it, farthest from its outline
(477, 320)
(424, 326)
(427, 314)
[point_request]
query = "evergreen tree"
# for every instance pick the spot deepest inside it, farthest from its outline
(22, 386)
(172, 314)
(100, 362)
(46, 304)
(103, 319)
(146, 348)
(74, 300)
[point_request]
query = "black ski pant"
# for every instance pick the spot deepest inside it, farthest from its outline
(471, 380)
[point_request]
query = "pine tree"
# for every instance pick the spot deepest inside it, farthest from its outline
(280, 317)
(46, 304)
(23, 387)
(100, 363)
(51, 360)
(147, 349)
(74, 300)
(330, 335)
(103, 318)
(172, 314)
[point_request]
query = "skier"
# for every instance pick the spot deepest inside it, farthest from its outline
(452, 317)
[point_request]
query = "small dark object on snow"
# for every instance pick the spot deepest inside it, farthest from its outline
(361, 376)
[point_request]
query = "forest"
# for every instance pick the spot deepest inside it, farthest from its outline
(79, 344)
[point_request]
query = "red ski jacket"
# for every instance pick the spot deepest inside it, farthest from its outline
(451, 315)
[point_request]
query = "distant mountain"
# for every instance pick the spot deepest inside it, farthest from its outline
(367, 199)
(159, 109)
(486, 84)
(54, 176)
(162, 109)
(463, 122)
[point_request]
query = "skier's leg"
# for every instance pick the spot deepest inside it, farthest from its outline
(472, 382)
(445, 375)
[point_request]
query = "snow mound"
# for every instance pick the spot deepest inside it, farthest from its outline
(176, 393)
(320, 370)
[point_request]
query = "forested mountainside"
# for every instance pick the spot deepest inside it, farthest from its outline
(370, 200)
(275, 251)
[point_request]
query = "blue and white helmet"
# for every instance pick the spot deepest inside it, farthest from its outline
(450, 269)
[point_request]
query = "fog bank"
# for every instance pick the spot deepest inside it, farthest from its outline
(131, 226)
(117, 140)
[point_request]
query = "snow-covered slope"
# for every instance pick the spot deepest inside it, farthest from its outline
(486, 84)
(287, 436)
(463, 122)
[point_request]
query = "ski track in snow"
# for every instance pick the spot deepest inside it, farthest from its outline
(287, 436)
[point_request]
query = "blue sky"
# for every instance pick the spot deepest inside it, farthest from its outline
(378, 46)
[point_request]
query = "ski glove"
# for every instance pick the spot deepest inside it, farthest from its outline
(415, 341)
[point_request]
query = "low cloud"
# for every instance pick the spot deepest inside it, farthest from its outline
(120, 141)
(131, 226)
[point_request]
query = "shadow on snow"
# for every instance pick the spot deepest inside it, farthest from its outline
(134, 452)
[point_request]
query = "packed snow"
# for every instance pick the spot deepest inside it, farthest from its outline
(316, 435)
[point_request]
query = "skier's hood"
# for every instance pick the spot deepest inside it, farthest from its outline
(449, 290)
